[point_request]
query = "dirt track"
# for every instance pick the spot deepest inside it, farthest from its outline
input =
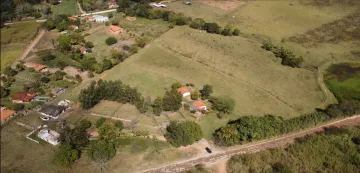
(251, 147)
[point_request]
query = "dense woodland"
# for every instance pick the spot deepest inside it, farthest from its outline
(335, 150)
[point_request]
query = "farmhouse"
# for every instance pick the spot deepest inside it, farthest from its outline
(158, 5)
(112, 4)
(23, 97)
(115, 29)
(198, 105)
(184, 91)
(73, 18)
(37, 67)
(6, 114)
(52, 111)
(82, 50)
(98, 18)
(49, 136)
(73, 27)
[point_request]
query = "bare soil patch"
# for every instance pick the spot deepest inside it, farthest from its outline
(224, 5)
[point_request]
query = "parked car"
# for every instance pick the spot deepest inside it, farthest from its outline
(44, 118)
(208, 150)
(187, 3)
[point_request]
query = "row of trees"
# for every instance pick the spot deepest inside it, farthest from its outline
(250, 128)
(288, 58)
(113, 91)
(142, 9)
(60, 22)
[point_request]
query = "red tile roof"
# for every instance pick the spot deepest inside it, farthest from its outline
(37, 67)
(73, 18)
(114, 28)
(73, 27)
(198, 104)
(23, 96)
(5, 113)
(183, 90)
(82, 49)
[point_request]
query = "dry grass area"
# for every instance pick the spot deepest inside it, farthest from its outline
(229, 5)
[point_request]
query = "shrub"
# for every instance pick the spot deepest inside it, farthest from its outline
(99, 122)
(183, 133)
(17, 107)
(141, 41)
(212, 28)
(89, 44)
(61, 64)
(9, 71)
(90, 74)
(236, 32)
(106, 64)
(197, 23)
(45, 79)
(195, 95)
(66, 155)
(78, 78)
(119, 125)
(48, 57)
(110, 41)
(223, 104)
(176, 85)
(133, 49)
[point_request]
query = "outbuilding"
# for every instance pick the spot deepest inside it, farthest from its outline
(184, 91)
(52, 111)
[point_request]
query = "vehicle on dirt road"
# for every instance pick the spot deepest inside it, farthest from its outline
(208, 150)
(44, 118)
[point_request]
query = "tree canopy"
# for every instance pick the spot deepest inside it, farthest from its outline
(183, 133)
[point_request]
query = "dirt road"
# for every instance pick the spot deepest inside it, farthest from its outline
(251, 147)
(30, 46)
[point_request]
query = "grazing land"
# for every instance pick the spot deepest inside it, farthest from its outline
(68, 7)
(14, 39)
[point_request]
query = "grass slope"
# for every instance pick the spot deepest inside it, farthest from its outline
(68, 7)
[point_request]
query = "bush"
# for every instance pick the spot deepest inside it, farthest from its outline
(100, 122)
(133, 49)
(141, 41)
(4, 91)
(110, 41)
(119, 125)
(195, 95)
(176, 85)
(183, 133)
(106, 64)
(89, 44)
(223, 104)
(236, 32)
(44, 79)
(61, 64)
(9, 71)
(90, 74)
(198, 23)
(212, 28)
(48, 57)
(78, 78)
(66, 155)
(17, 107)
(110, 15)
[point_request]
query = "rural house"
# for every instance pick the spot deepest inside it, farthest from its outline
(115, 29)
(37, 67)
(52, 111)
(49, 136)
(23, 97)
(73, 27)
(6, 114)
(112, 4)
(184, 91)
(198, 105)
(90, 18)
(73, 18)
(82, 50)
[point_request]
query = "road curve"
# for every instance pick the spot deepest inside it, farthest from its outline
(251, 147)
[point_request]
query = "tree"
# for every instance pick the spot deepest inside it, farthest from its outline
(4, 91)
(107, 132)
(212, 28)
(49, 24)
(110, 41)
(77, 137)
(63, 25)
(89, 44)
(61, 64)
(194, 95)
(141, 41)
(84, 124)
(176, 85)
(197, 23)
(90, 74)
(78, 78)
(183, 133)
(17, 107)
(20, 67)
(100, 122)
(133, 49)
(64, 43)
(236, 32)
(172, 100)
(157, 106)
(44, 79)
(101, 152)
(227, 31)
(106, 64)
(119, 125)
(206, 91)
(118, 55)
(223, 104)
(66, 155)
(110, 15)
(9, 71)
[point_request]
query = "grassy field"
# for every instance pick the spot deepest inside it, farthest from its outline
(68, 7)
(14, 39)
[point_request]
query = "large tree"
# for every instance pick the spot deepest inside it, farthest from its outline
(66, 155)
(183, 133)
(157, 106)
(206, 91)
(108, 132)
(172, 100)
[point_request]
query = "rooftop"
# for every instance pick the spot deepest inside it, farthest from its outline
(23, 96)
(37, 67)
(183, 90)
(5, 113)
(52, 110)
(198, 105)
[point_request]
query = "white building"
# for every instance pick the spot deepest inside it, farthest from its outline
(184, 91)
(98, 18)
(49, 136)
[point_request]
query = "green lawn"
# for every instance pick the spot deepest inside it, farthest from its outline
(68, 7)
(14, 39)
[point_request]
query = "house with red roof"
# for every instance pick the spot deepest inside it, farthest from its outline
(82, 50)
(73, 27)
(6, 114)
(115, 29)
(73, 18)
(198, 105)
(23, 97)
(37, 67)
(184, 91)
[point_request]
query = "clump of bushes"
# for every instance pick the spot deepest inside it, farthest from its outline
(287, 57)
(110, 41)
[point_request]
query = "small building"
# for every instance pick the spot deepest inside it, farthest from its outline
(65, 103)
(6, 114)
(184, 91)
(98, 18)
(52, 111)
(23, 97)
(115, 29)
(198, 105)
(112, 4)
(36, 66)
(83, 50)
(73, 18)
(90, 18)
(73, 27)
(49, 136)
